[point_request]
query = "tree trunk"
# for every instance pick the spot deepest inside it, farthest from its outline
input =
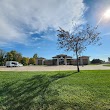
(77, 62)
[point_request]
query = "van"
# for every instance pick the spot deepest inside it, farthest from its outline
(13, 64)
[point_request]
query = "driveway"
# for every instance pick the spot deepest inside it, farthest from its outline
(54, 68)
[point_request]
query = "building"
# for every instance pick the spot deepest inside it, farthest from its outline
(84, 60)
(62, 59)
(108, 59)
(40, 61)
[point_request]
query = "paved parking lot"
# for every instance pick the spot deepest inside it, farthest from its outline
(54, 68)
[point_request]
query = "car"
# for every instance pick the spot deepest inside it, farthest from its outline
(13, 64)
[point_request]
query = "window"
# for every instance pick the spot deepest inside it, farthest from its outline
(14, 63)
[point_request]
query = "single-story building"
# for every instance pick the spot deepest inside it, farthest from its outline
(40, 61)
(84, 60)
(62, 59)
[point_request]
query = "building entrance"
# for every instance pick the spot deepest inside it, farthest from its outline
(61, 61)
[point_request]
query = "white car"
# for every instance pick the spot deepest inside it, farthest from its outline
(19, 64)
(13, 64)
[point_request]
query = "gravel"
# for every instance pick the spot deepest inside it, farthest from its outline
(54, 68)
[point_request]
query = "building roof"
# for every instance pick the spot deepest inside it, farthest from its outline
(40, 58)
(61, 55)
(84, 57)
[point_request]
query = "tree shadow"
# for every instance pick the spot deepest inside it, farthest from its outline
(30, 94)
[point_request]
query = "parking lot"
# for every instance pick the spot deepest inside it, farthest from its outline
(54, 68)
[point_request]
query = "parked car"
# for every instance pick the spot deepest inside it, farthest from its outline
(13, 64)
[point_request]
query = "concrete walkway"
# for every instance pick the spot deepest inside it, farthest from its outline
(54, 68)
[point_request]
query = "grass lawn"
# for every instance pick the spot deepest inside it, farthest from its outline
(66, 90)
(94, 64)
(106, 65)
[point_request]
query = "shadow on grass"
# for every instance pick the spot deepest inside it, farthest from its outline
(31, 94)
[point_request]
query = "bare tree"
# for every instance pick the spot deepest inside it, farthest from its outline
(78, 40)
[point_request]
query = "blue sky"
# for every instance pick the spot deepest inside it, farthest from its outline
(31, 27)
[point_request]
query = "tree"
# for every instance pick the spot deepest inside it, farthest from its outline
(13, 56)
(35, 56)
(2, 57)
(25, 61)
(9, 56)
(32, 61)
(96, 61)
(78, 40)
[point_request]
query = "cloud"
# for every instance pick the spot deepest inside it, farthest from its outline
(47, 38)
(19, 19)
(106, 34)
(36, 38)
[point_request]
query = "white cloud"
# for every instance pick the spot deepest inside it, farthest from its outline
(106, 34)
(36, 38)
(47, 37)
(21, 18)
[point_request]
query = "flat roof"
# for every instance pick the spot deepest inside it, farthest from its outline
(84, 56)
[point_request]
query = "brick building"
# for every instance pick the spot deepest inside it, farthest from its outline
(62, 59)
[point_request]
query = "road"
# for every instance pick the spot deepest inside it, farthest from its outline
(54, 68)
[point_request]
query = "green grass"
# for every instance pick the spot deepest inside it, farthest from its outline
(106, 65)
(66, 90)
(95, 64)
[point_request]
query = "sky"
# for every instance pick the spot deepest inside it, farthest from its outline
(30, 27)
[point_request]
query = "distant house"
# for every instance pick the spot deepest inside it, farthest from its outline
(62, 59)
